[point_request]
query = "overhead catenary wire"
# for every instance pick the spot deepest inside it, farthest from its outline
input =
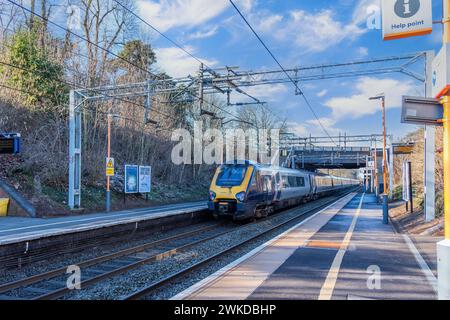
(74, 85)
(19, 90)
(209, 69)
(103, 49)
(79, 36)
(283, 69)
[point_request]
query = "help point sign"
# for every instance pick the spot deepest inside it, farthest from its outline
(406, 18)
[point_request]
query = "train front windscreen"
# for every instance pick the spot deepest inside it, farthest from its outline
(231, 176)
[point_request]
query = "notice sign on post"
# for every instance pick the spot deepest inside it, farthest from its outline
(406, 18)
(145, 179)
(110, 167)
(131, 179)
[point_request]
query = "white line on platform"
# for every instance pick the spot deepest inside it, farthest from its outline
(328, 287)
(86, 227)
(423, 265)
(199, 285)
(105, 217)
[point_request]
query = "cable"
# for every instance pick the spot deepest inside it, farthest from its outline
(162, 34)
(76, 85)
(181, 48)
(284, 70)
(20, 90)
(80, 37)
(101, 48)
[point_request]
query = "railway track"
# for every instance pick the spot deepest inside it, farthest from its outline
(170, 278)
(53, 284)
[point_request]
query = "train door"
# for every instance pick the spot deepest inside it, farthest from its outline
(278, 186)
(312, 186)
(268, 188)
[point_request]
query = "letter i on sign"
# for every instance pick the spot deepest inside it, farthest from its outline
(407, 11)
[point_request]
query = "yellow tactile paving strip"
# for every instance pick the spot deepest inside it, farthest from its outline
(324, 245)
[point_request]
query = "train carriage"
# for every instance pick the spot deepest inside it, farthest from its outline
(246, 190)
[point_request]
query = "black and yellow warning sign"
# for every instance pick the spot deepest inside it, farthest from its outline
(110, 167)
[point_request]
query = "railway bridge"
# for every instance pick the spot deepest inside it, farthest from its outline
(340, 152)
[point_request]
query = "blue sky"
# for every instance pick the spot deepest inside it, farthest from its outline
(300, 32)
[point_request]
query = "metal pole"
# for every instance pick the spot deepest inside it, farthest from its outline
(74, 200)
(385, 185)
(108, 181)
(391, 168)
(430, 147)
(443, 247)
(385, 168)
(72, 103)
(446, 122)
(377, 184)
(410, 189)
(385, 209)
(366, 173)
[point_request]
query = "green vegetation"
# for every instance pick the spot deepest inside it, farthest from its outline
(35, 74)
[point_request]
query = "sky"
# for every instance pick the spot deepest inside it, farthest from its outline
(300, 33)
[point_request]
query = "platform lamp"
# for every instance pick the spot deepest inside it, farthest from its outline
(382, 97)
(110, 119)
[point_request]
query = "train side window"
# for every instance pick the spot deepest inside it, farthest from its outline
(285, 182)
(300, 182)
(293, 182)
(267, 181)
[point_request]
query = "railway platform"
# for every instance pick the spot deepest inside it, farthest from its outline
(21, 230)
(344, 252)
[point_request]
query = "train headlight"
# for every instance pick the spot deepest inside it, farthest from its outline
(241, 196)
(212, 196)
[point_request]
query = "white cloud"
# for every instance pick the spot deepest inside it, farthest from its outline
(268, 93)
(299, 129)
(319, 31)
(360, 14)
(362, 51)
(310, 31)
(358, 105)
(203, 34)
(322, 93)
(268, 23)
(245, 5)
(314, 128)
(177, 63)
(168, 14)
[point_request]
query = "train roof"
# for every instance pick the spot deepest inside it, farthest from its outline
(282, 169)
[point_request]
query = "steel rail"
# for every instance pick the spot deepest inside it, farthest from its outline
(60, 271)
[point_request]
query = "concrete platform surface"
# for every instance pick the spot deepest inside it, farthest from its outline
(343, 252)
(14, 229)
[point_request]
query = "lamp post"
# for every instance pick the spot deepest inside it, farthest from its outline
(108, 178)
(385, 169)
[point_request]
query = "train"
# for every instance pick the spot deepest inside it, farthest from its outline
(246, 190)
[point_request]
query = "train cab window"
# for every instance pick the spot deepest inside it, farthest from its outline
(231, 176)
(254, 188)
